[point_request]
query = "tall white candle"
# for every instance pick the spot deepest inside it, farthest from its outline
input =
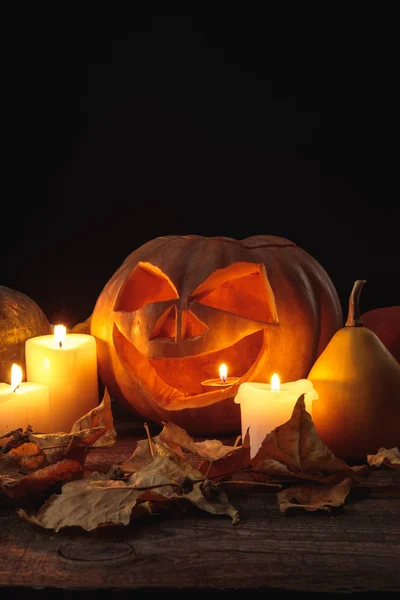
(23, 403)
(67, 363)
(265, 406)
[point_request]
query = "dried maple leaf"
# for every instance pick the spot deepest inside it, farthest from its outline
(210, 456)
(91, 502)
(178, 438)
(97, 501)
(58, 445)
(16, 485)
(7, 436)
(100, 416)
(144, 454)
(227, 458)
(141, 457)
(294, 450)
(314, 497)
(28, 456)
(15, 438)
(389, 457)
(25, 468)
(163, 477)
(165, 473)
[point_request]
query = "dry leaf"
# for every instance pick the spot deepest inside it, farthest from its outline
(171, 468)
(165, 474)
(28, 456)
(100, 416)
(145, 453)
(96, 501)
(57, 445)
(389, 457)
(91, 502)
(168, 443)
(6, 436)
(210, 456)
(141, 457)
(164, 471)
(177, 438)
(15, 438)
(295, 450)
(18, 485)
(34, 463)
(314, 497)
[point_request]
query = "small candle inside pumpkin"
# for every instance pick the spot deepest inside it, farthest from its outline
(221, 382)
(223, 373)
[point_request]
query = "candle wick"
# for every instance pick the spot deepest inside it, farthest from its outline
(60, 344)
(15, 389)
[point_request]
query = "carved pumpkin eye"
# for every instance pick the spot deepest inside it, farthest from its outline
(242, 288)
(146, 284)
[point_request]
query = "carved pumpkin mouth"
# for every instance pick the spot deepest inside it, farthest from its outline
(185, 375)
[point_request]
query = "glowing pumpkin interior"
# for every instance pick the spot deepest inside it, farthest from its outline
(184, 339)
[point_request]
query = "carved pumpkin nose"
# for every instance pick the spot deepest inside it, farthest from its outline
(177, 325)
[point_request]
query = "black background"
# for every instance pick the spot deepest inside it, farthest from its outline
(120, 128)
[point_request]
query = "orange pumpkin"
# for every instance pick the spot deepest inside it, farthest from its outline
(179, 306)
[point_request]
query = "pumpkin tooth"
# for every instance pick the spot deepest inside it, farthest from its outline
(192, 326)
(165, 326)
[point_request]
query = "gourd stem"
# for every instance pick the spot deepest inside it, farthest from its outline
(353, 317)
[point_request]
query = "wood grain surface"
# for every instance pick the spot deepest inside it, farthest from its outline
(355, 550)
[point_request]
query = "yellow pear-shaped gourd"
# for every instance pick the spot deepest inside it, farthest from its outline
(358, 383)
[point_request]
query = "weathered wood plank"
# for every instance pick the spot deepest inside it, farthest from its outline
(355, 550)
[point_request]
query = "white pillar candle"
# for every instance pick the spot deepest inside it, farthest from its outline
(265, 406)
(23, 403)
(67, 363)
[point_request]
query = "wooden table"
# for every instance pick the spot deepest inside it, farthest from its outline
(356, 550)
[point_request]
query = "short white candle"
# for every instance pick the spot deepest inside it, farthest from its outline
(265, 406)
(23, 403)
(67, 363)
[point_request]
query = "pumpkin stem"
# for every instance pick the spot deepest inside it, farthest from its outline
(353, 317)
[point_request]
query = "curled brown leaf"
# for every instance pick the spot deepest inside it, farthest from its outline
(311, 497)
(37, 482)
(295, 451)
(100, 416)
(385, 456)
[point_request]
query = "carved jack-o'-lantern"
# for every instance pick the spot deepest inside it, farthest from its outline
(179, 306)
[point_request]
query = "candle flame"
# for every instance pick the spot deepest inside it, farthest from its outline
(60, 332)
(223, 373)
(16, 376)
(275, 383)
